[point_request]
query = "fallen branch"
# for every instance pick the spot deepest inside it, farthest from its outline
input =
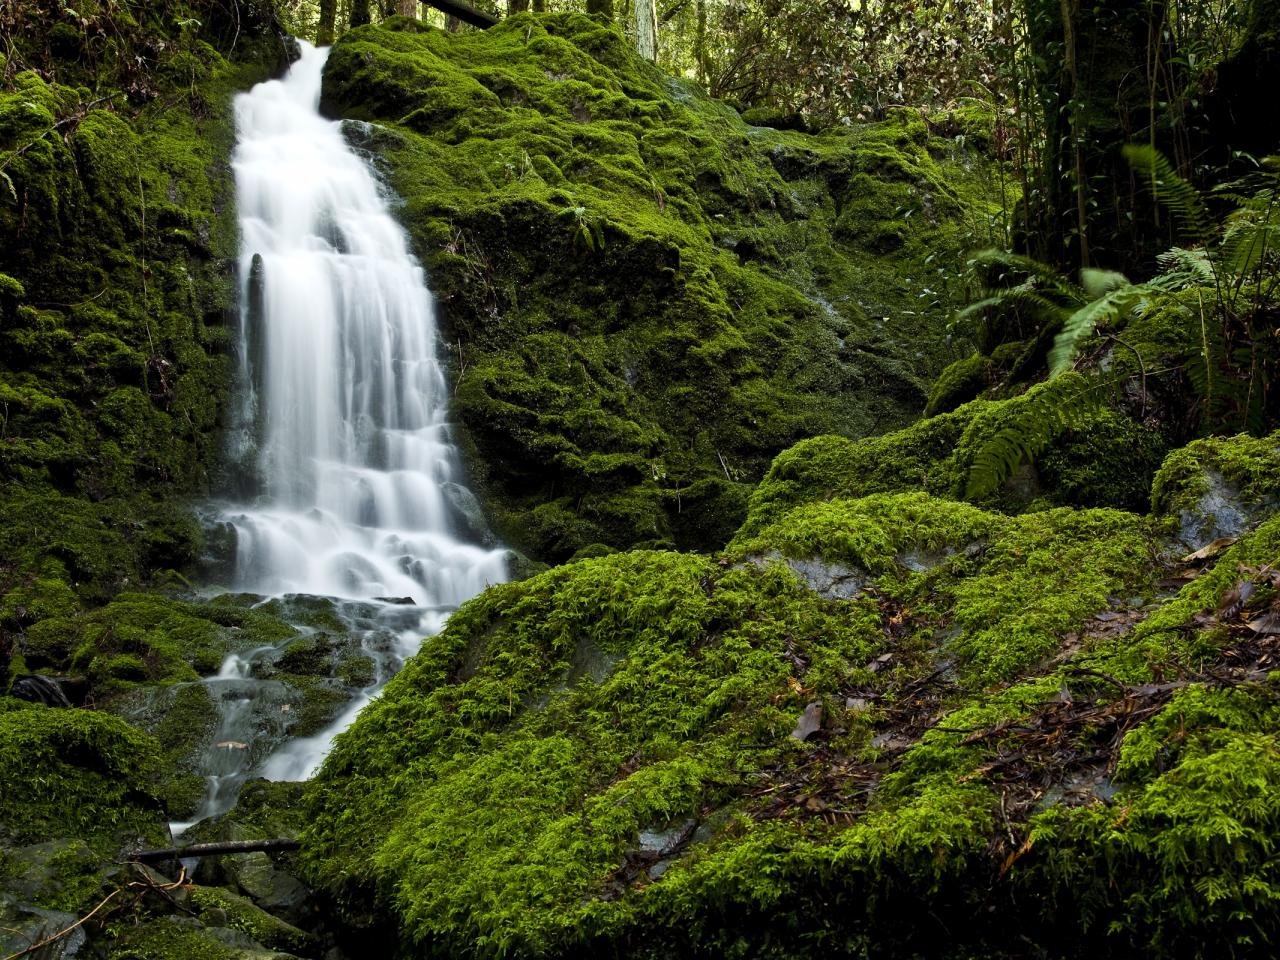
(215, 849)
(464, 12)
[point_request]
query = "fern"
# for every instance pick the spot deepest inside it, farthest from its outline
(1182, 199)
(1032, 424)
(1081, 324)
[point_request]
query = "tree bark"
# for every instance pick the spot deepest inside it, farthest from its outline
(214, 849)
(359, 13)
(517, 6)
(647, 28)
(600, 8)
(539, 6)
(407, 8)
(324, 29)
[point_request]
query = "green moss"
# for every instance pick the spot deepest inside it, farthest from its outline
(614, 695)
(169, 937)
(222, 908)
(77, 773)
(647, 297)
(959, 383)
(1214, 475)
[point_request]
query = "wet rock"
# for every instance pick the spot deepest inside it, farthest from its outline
(223, 910)
(22, 925)
(466, 515)
(36, 688)
(274, 890)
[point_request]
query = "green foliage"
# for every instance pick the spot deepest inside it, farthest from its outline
(1019, 430)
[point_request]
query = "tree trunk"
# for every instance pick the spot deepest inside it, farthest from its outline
(647, 29)
(517, 6)
(539, 6)
(600, 8)
(407, 8)
(700, 43)
(452, 24)
(359, 13)
(1087, 206)
(324, 29)
(1242, 110)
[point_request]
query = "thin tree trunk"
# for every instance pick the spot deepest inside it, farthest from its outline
(1069, 14)
(324, 29)
(647, 29)
(700, 42)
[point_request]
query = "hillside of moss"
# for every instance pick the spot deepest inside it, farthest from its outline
(644, 298)
(880, 723)
(117, 296)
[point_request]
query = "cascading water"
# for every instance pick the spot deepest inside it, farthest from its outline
(342, 416)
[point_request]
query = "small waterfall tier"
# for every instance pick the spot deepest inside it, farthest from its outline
(351, 483)
(345, 402)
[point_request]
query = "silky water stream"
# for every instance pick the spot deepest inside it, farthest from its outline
(352, 483)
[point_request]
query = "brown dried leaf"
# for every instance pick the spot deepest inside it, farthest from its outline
(1268, 624)
(1235, 599)
(1210, 550)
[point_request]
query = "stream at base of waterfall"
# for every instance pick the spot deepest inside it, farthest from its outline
(351, 487)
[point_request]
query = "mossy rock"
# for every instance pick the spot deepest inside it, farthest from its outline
(78, 773)
(1218, 486)
(647, 297)
(959, 383)
(580, 755)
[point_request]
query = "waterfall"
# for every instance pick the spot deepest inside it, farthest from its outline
(342, 411)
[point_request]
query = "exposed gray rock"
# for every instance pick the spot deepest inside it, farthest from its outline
(1217, 513)
(831, 581)
(810, 721)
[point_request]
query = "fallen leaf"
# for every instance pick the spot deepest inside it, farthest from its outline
(1236, 598)
(1210, 550)
(1268, 624)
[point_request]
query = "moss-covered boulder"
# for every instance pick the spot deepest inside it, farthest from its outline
(1218, 487)
(645, 298)
(77, 773)
(885, 723)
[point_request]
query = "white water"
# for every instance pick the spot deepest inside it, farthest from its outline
(342, 418)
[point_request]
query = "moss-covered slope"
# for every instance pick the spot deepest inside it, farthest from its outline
(117, 239)
(645, 298)
(888, 725)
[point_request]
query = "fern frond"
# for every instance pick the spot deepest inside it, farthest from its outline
(1181, 268)
(1049, 279)
(1032, 424)
(1181, 198)
(1081, 324)
(1098, 283)
(1246, 244)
